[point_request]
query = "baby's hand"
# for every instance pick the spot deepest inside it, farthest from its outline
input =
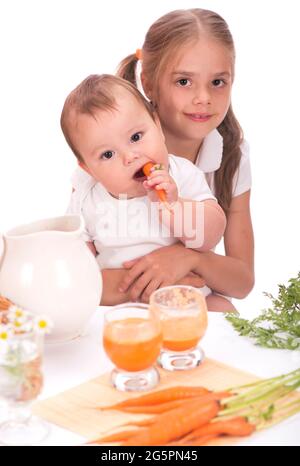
(160, 179)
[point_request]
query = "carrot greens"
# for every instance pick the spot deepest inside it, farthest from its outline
(278, 326)
(266, 402)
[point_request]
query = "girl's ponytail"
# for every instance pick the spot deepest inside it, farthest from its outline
(232, 135)
(127, 67)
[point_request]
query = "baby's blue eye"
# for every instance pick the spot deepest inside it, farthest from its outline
(136, 137)
(218, 82)
(107, 155)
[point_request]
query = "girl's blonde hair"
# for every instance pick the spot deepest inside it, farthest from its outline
(96, 92)
(163, 40)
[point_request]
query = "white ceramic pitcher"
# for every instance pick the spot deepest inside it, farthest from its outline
(46, 268)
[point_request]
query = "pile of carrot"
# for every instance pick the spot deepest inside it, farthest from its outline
(182, 416)
(196, 415)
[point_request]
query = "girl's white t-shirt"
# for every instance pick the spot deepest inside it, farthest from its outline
(210, 157)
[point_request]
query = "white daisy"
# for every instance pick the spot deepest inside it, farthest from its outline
(5, 332)
(43, 324)
(16, 313)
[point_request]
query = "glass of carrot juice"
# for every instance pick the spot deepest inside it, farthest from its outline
(132, 340)
(183, 314)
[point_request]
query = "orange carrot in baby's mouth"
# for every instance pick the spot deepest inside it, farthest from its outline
(147, 171)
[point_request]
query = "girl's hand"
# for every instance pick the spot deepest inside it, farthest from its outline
(160, 179)
(155, 270)
(191, 279)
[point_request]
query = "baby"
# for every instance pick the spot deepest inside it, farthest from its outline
(113, 131)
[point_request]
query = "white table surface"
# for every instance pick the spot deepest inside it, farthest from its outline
(69, 364)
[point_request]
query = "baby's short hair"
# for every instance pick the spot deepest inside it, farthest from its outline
(96, 92)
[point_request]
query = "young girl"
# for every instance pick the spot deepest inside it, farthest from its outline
(114, 133)
(187, 72)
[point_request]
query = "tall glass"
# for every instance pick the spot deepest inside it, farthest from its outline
(21, 379)
(183, 315)
(132, 340)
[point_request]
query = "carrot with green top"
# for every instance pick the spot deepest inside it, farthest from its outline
(163, 407)
(161, 396)
(175, 423)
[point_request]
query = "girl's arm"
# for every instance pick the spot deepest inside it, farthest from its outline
(199, 225)
(233, 274)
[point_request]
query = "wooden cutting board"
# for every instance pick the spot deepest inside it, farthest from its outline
(76, 409)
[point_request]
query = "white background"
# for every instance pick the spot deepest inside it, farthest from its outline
(48, 47)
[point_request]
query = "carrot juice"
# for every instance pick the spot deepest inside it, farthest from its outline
(131, 343)
(184, 333)
(183, 315)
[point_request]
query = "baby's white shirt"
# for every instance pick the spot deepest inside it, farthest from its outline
(125, 229)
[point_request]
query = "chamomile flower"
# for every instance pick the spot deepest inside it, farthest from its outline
(21, 320)
(19, 326)
(16, 312)
(43, 324)
(5, 332)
